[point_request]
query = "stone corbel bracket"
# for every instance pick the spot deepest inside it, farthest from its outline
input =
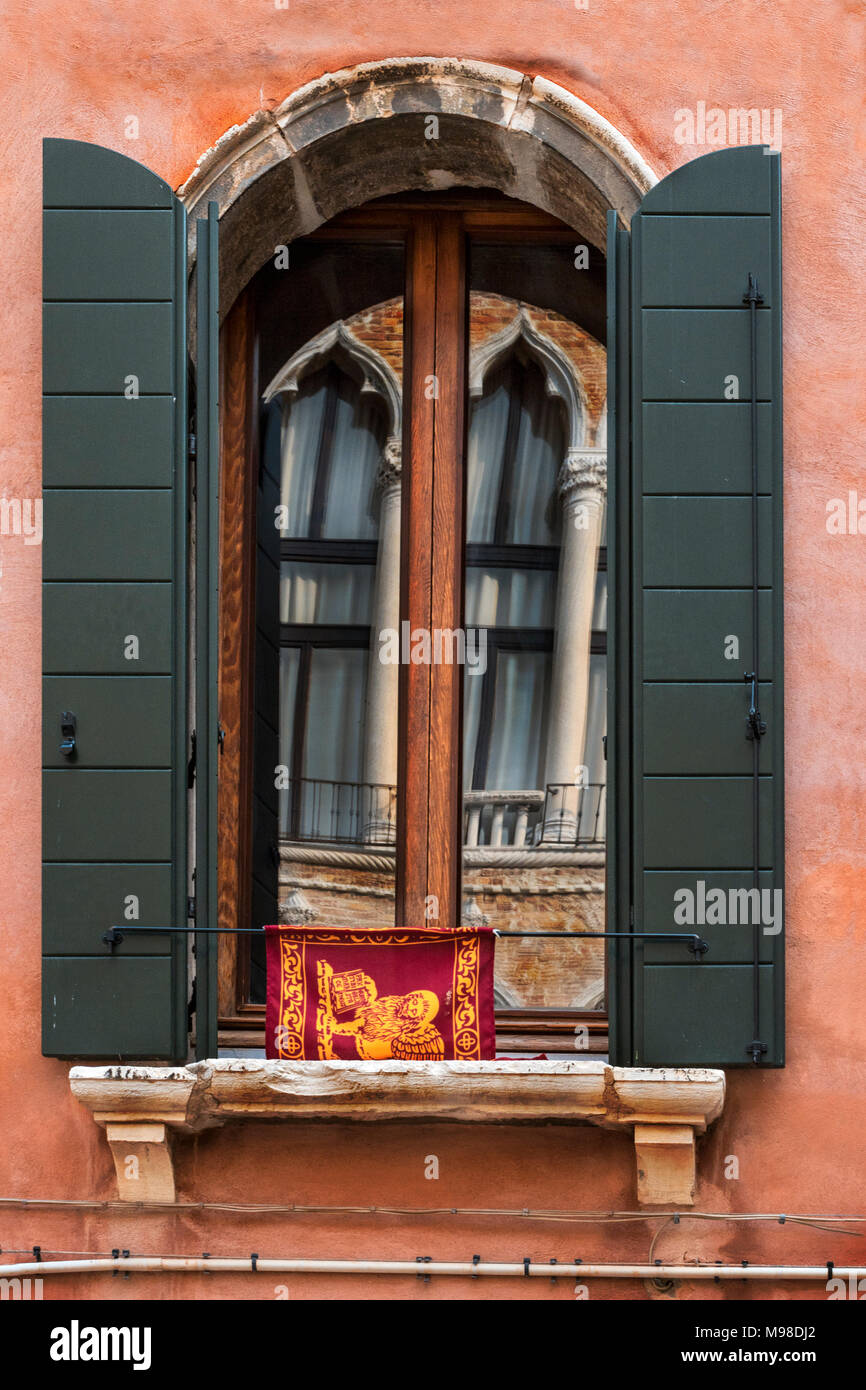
(143, 1107)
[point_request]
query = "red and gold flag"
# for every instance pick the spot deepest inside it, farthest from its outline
(416, 994)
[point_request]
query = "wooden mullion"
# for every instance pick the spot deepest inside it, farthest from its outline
(444, 845)
(419, 354)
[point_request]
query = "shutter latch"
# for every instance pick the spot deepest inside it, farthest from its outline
(67, 733)
(755, 725)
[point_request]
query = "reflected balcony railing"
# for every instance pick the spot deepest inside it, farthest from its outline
(340, 813)
(564, 815)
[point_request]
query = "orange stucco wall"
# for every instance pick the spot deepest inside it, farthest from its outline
(189, 69)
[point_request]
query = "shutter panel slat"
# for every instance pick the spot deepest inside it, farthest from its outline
(688, 354)
(696, 823)
(92, 814)
(91, 349)
(100, 255)
(123, 721)
(682, 627)
(83, 994)
(108, 534)
(729, 181)
(676, 278)
(687, 540)
(74, 895)
(84, 627)
(73, 435)
(114, 625)
(686, 730)
(704, 448)
(689, 817)
(76, 174)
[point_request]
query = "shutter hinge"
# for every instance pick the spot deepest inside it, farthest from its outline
(190, 909)
(631, 915)
(221, 736)
(191, 446)
(190, 767)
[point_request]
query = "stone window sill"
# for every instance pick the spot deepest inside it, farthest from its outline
(143, 1108)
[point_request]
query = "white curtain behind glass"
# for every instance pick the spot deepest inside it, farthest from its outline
(358, 438)
(516, 756)
(534, 518)
(500, 596)
(323, 592)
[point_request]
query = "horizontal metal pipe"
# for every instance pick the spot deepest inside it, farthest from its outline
(115, 934)
(181, 1264)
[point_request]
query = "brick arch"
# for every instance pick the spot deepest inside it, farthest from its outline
(367, 132)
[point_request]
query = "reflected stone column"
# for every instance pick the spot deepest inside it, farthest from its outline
(380, 746)
(582, 488)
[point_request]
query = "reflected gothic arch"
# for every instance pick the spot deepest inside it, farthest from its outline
(366, 366)
(561, 378)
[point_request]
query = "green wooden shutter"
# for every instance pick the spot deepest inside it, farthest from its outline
(114, 626)
(685, 507)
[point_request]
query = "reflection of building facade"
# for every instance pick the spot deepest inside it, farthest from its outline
(534, 820)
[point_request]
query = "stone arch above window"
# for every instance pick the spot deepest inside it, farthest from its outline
(358, 134)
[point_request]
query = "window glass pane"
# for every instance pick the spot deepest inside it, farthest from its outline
(333, 435)
(331, 806)
(302, 435)
(497, 597)
(515, 760)
(350, 504)
(312, 592)
(534, 515)
(515, 447)
(324, 330)
(534, 769)
(599, 614)
(289, 661)
(487, 431)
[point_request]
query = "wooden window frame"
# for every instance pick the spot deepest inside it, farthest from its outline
(434, 231)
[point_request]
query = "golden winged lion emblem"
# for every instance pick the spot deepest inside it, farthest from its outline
(397, 1025)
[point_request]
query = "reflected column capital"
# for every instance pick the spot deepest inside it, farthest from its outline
(583, 471)
(390, 467)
